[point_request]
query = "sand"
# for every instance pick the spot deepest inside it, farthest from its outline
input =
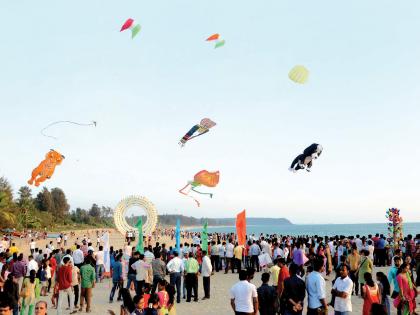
(219, 304)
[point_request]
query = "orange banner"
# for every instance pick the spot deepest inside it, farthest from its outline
(241, 227)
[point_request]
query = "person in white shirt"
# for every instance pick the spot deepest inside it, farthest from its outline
(78, 257)
(222, 255)
(342, 289)
(206, 270)
(315, 286)
(32, 265)
(229, 257)
(32, 246)
(144, 273)
(100, 264)
(148, 255)
(176, 268)
(243, 295)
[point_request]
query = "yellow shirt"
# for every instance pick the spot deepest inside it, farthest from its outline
(275, 273)
(354, 261)
(237, 252)
(13, 249)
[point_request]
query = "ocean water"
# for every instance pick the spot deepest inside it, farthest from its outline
(318, 229)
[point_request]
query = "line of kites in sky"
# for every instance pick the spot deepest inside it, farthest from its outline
(46, 168)
(298, 74)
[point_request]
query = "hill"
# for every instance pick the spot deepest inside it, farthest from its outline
(170, 220)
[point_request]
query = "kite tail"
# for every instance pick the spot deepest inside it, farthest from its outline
(186, 194)
(202, 193)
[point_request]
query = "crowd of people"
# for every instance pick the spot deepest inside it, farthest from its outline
(153, 279)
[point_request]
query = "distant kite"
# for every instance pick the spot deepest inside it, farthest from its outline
(46, 168)
(208, 179)
(93, 123)
(134, 27)
(299, 74)
(218, 41)
(304, 161)
(198, 130)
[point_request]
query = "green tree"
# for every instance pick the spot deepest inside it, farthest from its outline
(106, 212)
(60, 205)
(95, 211)
(6, 193)
(25, 198)
(44, 201)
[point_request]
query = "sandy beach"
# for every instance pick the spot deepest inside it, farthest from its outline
(220, 284)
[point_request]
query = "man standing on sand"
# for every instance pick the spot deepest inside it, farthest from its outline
(191, 280)
(243, 296)
(87, 273)
(229, 257)
(315, 286)
(267, 296)
(354, 260)
(206, 270)
(64, 278)
(342, 289)
(117, 279)
(159, 270)
(176, 268)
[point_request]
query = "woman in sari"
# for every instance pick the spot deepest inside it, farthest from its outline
(371, 294)
(407, 294)
(365, 266)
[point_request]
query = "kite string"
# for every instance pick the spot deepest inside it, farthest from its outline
(64, 121)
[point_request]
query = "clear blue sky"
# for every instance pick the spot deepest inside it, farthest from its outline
(68, 61)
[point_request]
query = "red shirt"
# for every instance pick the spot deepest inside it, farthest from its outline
(64, 277)
(283, 275)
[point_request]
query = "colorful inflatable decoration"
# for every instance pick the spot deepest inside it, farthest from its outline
(46, 168)
(215, 38)
(205, 178)
(131, 25)
(395, 225)
(93, 123)
(198, 130)
(304, 161)
(299, 74)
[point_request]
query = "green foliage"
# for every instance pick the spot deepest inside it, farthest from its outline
(49, 209)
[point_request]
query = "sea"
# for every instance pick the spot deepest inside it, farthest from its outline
(317, 229)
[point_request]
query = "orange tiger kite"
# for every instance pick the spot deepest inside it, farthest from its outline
(46, 168)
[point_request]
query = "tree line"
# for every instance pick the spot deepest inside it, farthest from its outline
(48, 209)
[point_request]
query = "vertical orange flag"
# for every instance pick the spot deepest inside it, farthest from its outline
(241, 227)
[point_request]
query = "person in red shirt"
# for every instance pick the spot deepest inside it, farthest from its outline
(64, 279)
(283, 275)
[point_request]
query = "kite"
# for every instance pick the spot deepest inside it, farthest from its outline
(198, 130)
(218, 41)
(299, 74)
(208, 179)
(93, 123)
(130, 24)
(304, 161)
(46, 168)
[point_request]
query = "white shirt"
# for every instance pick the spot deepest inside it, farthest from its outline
(278, 252)
(32, 245)
(141, 268)
(206, 267)
(100, 258)
(148, 256)
(175, 265)
(243, 293)
(78, 256)
(32, 265)
(229, 250)
(315, 286)
(343, 285)
(286, 253)
(359, 243)
(221, 250)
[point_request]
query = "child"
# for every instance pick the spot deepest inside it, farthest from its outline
(54, 297)
(43, 279)
(146, 294)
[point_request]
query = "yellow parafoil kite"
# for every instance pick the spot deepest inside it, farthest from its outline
(299, 74)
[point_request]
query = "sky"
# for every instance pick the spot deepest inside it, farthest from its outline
(68, 61)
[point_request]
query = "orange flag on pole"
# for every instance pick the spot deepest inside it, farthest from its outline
(241, 228)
